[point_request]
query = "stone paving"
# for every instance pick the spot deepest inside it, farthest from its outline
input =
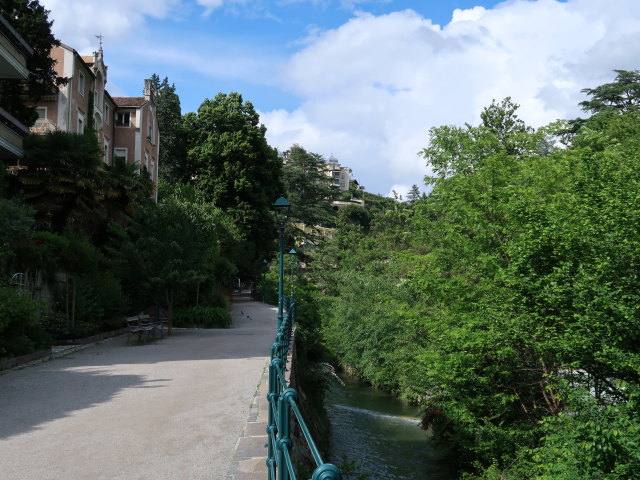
(249, 460)
(189, 406)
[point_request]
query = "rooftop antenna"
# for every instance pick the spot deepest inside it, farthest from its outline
(99, 37)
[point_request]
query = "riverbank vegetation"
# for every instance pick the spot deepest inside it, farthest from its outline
(506, 302)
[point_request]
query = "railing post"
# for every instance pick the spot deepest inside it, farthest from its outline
(272, 396)
(284, 434)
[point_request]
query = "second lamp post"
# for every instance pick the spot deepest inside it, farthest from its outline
(281, 206)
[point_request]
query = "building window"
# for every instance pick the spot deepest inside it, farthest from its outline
(81, 83)
(81, 123)
(107, 115)
(150, 131)
(42, 114)
(123, 119)
(120, 153)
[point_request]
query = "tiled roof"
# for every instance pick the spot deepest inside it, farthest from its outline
(129, 101)
(88, 59)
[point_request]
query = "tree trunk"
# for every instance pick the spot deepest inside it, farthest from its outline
(169, 297)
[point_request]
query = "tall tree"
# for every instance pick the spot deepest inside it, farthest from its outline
(414, 194)
(238, 171)
(61, 180)
(308, 188)
(172, 139)
(31, 21)
(173, 247)
(621, 95)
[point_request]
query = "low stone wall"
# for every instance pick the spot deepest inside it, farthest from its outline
(93, 338)
(22, 359)
(48, 352)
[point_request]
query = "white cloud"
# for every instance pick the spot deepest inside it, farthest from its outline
(399, 191)
(210, 5)
(76, 22)
(372, 87)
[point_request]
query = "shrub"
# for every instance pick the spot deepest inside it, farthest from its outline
(20, 332)
(202, 317)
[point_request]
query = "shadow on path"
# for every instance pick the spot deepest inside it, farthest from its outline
(33, 396)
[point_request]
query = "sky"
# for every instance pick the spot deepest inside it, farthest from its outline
(362, 80)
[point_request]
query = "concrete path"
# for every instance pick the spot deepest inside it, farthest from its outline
(182, 407)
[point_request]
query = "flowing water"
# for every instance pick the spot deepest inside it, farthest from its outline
(382, 435)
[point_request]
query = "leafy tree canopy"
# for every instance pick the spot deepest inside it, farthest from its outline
(172, 139)
(308, 189)
(238, 171)
(622, 95)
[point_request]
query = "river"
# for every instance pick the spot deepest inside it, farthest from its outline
(382, 435)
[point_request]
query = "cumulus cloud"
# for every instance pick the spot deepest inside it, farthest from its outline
(373, 87)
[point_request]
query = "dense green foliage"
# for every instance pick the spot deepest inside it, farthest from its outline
(19, 329)
(237, 171)
(308, 189)
(505, 303)
(202, 316)
(172, 144)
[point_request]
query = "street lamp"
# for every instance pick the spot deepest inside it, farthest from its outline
(281, 206)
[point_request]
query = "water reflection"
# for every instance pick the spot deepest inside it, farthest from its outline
(382, 434)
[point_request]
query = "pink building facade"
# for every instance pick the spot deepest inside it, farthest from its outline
(126, 127)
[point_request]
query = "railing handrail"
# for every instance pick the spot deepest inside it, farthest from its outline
(282, 403)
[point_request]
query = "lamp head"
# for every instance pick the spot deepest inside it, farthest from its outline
(281, 205)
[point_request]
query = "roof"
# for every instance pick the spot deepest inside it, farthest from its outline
(129, 101)
(88, 59)
(80, 57)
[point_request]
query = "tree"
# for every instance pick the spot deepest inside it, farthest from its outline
(621, 95)
(31, 21)
(414, 194)
(16, 221)
(172, 248)
(61, 180)
(238, 172)
(125, 188)
(308, 189)
(172, 139)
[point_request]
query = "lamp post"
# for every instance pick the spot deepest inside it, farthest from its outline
(292, 252)
(281, 206)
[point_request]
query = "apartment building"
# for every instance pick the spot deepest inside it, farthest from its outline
(126, 126)
(14, 52)
(339, 175)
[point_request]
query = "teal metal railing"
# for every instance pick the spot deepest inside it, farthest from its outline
(283, 408)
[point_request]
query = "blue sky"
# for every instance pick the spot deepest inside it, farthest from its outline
(362, 80)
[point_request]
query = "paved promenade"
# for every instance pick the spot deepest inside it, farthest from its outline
(182, 407)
